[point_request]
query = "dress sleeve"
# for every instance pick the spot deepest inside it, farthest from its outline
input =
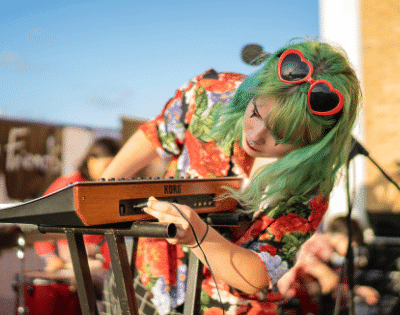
(277, 235)
(166, 132)
(191, 103)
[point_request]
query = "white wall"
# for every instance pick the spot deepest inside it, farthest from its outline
(76, 140)
(340, 24)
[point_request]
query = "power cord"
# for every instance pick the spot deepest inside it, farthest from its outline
(204, 255)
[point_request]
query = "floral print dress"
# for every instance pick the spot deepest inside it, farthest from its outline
(275, 235)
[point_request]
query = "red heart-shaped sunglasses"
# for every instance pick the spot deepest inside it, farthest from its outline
(322, 98)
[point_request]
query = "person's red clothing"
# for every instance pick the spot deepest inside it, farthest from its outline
(46, 249)
(63, 181)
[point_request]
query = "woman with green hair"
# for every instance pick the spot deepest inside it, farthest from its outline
(299, 108)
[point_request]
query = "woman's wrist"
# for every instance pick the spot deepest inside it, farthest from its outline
(199, 241)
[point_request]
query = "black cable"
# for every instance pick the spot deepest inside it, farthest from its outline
(357, 148)
(339, 292)
(204, 255)
(201, 241)
(350, 253)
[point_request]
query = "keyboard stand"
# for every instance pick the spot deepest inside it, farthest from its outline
(193, 286)
(121, 268)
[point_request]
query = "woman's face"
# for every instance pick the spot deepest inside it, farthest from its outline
(258, 140)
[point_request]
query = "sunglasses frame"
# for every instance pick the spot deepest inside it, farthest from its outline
(312, 82)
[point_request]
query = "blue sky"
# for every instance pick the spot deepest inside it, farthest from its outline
(88, 63)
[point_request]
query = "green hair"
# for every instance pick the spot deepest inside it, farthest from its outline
(322, 142)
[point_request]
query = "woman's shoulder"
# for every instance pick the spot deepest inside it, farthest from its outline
(219, 82)
(212, 74)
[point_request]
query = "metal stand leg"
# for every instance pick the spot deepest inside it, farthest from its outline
(21, 307)
(135, 242)
(195, 277)
(87, 298)
(123, 273)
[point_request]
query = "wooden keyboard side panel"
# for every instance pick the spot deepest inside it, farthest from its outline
(99, 203)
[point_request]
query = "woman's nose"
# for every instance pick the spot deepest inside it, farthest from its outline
(260, 135)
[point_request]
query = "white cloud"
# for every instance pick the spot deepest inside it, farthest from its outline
(11, 59)
(106, 101)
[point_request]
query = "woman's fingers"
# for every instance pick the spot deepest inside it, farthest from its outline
(183, 236)
(162, 216)
(286, 284)
(320, 246)
(327, 278)
(164, 211)
(320, 270)
(173, 213)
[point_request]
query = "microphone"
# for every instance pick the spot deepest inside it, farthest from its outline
(254, 54)
(357, 148)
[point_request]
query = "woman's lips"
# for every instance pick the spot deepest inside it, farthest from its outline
(248, 144)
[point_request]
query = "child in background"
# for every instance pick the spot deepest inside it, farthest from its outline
(365, 296)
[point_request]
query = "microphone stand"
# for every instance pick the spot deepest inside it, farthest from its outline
(357, 149)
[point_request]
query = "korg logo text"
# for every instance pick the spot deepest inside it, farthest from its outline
(172, 189)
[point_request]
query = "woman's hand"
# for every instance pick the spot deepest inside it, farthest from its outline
(182, 216)
(237, 266)
(313, 259)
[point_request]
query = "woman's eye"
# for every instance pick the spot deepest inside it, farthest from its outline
(255, 112)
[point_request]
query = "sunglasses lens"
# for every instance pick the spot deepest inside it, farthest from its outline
(322, 99)
(293, 69)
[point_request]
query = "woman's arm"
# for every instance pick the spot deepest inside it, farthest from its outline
(136, 153)
(237, 266)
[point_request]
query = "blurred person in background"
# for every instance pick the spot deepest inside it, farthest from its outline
(56, 254)
(366, 297)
